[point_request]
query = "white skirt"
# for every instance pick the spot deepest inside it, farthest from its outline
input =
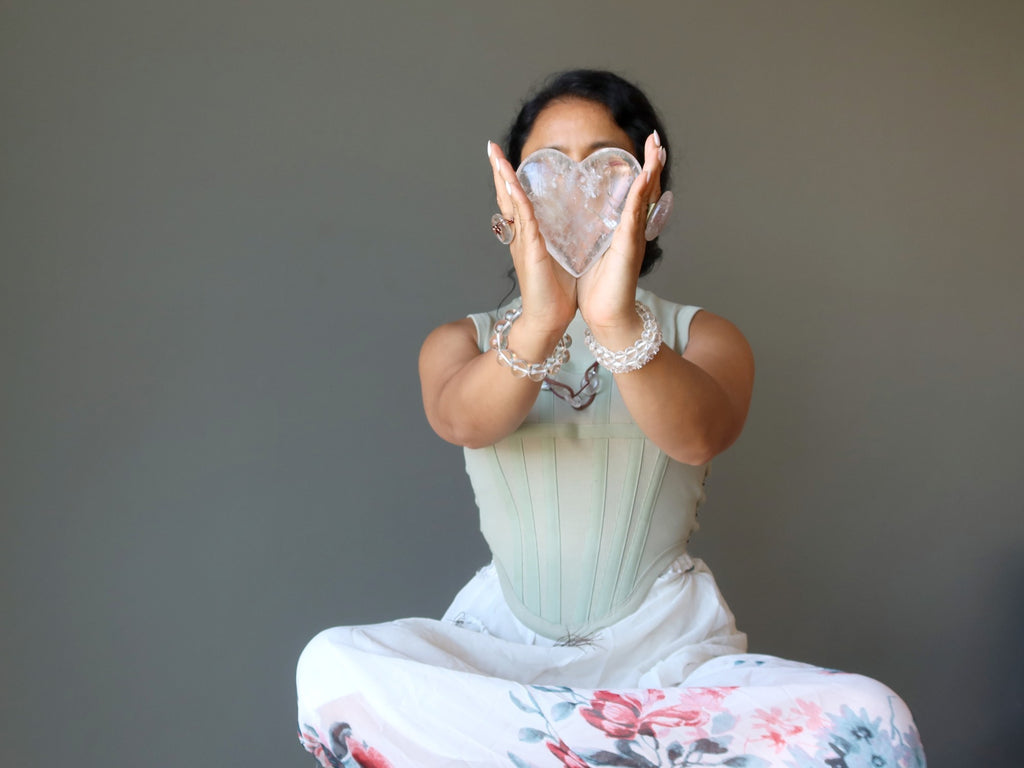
(478, 688)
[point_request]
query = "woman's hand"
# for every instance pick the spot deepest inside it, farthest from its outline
(548, 291)
(692, 406)
(607, 292)
(469, 399)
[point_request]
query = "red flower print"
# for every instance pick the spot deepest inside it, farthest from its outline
(673, 717)
(704, 698)
(623, 717)
(366, 757)
(567, 756)
(313, 745)
(776, 728)
(615, 714)
(811, 712)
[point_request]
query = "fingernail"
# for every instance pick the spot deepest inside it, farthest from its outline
(663, 155)
(488, 147)
(657, 139)
(508, 187)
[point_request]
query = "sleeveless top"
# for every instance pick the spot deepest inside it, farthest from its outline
(580, 510)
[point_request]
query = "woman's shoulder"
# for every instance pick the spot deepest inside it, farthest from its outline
(454, 335)
(483, 322)
(689, 328)
(675, 319)
(662, 306)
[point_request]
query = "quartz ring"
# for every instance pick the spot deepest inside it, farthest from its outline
(657, 215)
(504, 229)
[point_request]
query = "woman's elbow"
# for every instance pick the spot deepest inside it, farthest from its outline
(701, 446)
(464, 435)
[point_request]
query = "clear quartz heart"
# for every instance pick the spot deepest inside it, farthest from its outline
(578, 205)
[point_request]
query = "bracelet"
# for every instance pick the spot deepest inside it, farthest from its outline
(521, 368)
(636, 355)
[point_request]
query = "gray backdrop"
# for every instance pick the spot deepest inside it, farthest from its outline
(227, 226)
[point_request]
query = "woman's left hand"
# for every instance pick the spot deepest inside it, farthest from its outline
(606, 293)
(692, 406)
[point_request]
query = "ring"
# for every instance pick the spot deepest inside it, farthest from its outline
(503, 228)
(657, 215)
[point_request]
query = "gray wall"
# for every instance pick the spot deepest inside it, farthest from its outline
(225, 228)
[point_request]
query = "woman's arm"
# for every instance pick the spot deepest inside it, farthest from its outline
(693, 406)
(470, 399)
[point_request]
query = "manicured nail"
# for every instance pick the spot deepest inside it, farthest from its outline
(488, 147)
(663, 155)
(657, 139)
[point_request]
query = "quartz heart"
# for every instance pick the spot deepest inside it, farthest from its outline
(578, 205)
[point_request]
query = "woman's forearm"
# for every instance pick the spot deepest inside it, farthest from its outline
(469, 397)
(693, 406)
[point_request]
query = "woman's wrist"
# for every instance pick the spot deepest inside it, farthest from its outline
(532, 355)
(610, 312)
(534, 338)
(617, 332)
(640, 349)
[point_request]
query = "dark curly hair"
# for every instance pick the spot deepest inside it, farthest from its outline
(629, 107)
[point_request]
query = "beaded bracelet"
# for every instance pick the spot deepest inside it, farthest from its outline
(521, 368)
(636, 355)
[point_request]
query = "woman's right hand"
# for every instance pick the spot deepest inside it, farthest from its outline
(468, 399)
(548, 291)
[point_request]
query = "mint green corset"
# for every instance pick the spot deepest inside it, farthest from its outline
(580, 510)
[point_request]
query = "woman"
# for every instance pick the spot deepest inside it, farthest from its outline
(592, 638)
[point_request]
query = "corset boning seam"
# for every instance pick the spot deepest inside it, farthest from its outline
(593, 572)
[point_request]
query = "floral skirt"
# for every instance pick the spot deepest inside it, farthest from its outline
(669, 685)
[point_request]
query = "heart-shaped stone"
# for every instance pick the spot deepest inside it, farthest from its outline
(578, 205)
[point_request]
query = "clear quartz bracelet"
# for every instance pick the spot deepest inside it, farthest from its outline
(636, 355)
(521, 368)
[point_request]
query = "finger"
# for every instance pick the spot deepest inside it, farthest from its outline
(497, 158)
(501, 170)
(655, 158)
(525, 221)
(646, 188)
(634, 212)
